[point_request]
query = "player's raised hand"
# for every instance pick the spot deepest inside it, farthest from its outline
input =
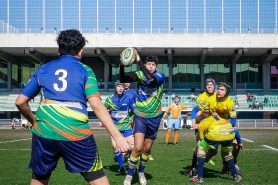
(122, 144)
(135, 52)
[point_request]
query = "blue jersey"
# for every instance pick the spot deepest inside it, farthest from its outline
(148, 103)
(121, 110)
(132, 94)
(65, 85)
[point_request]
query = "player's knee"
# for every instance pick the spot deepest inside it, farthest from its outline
(94, 175)
(137, 149)
(40, 177)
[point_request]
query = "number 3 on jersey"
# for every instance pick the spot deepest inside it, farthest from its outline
(62, 79)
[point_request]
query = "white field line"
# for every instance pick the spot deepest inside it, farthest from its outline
(15, 140)
(270, 147)
(247, 140)
(15, 149)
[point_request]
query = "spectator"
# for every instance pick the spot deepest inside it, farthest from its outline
(193, 89)
(265, 100)
(236, 104)
(14, 121)
(192, 97)
(249, 97)
(173, 96)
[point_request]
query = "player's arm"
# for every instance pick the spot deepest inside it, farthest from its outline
(163, 117)
(238, 138)
(193, 116)
(232, 114)
(183, 107)
(29, 92)
(104, 117)
(167, 112)
(24, 109)
(131, 104)
(93, 97)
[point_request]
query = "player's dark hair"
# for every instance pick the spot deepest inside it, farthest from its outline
(70, 42)
(200, 118)
(227, 87)
(151, 58)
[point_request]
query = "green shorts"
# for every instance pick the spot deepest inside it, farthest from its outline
(206, 145)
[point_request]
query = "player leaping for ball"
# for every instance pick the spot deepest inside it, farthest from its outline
(147, 113)
(121, 107)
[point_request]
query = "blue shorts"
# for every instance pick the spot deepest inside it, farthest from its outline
(127, 133)
(147, 126)
(174, 123)
(79, 156)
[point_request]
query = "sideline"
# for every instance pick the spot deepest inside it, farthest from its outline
(15, 140)
(247, 140)
(270, 147)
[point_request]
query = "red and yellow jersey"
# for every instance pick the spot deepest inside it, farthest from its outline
(216, 130)
(175, 110)
(225, 109)
(203, 102)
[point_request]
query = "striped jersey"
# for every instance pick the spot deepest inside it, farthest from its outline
(65, 85)
(148, 103)
(121, 110)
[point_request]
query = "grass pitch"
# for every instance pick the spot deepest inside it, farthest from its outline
(258, 163)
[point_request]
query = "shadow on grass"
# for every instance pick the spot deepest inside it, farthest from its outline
(207, 173)
(113, 168)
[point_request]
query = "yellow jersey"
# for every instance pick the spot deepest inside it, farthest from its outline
(203, 102)
(225, 108)
(216, 130)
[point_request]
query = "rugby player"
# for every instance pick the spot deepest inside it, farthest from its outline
(121, 107)
(147, 113)
(214, 131)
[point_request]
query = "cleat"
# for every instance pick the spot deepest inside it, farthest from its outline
(151, 158)
(196, 179)
(165, 144)
(210, 162)
(128, 180)
(238, 170)
(226, 169)
(192, 172)
(142, 178)
(122, 171)
(175, 143)
(189, 172)
(237, 178)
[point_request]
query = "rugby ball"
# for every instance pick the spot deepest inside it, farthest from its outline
(128, 57)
